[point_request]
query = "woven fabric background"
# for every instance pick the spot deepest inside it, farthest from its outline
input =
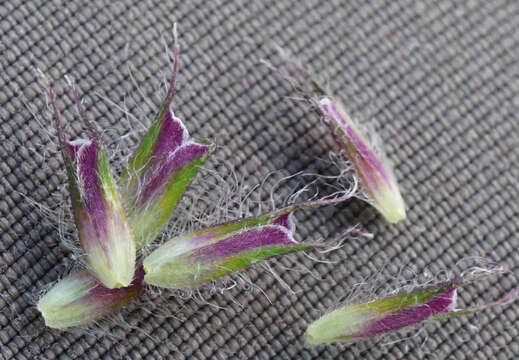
(439, 80)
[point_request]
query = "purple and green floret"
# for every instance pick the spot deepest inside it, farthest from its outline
(355, 322)
(104, 232)
(192, 259)
(375, 175)
(79, 299)
(158, 174)
(370, 166)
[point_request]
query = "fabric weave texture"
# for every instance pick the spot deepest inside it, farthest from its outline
(438, 79)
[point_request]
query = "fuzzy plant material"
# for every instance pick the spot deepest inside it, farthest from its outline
(80, 298)
(405, 308)
(369, 162)
(117, 219)
(104, 232)
(194, 258)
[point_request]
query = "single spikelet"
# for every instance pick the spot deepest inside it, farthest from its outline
(104, 232)
(411, 305)
(80, 299)
(195, 258)
(160, 170)
(375, 175)
(367, 161)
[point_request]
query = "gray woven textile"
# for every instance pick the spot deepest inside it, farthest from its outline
(438, 79)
